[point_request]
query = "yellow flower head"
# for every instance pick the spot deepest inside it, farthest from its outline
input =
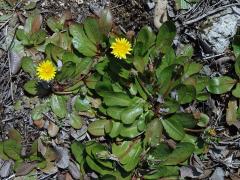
(121, 47)
(46, 70)
(212, 132)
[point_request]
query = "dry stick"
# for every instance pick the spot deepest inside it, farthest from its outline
(209, 13)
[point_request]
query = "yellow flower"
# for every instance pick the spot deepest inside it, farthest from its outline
(120, 48)
(46, 70)
(212, 132)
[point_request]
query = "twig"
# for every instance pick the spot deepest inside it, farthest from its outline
(209, 13)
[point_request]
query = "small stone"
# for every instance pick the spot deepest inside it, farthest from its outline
(150, 5)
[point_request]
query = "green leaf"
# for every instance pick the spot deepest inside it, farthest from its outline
(105, 21)
(37, 112)
(236, 45)
(38, 37)
(91, 28)
(170, 106)
(163, 171)
(28, 66)
(115, 112)
(203, 120)
(13, 134)
(128, 153)
(23, 37)
(140, 89)
(12, 149)
(147, 38)
(140, 63)
(81, 104)
(116, 128)
(81, 42)
(77, 149)
(236, 91)
(94, 165)
(31, 87)
(186, 50)
(116, 99)
(186, 94)
(68, 71)
(191, 68)
(187, 120)
(166, 34)
(130, 131)
(159, 152)
(58, 105)
(3, 156)
(54, 24)
(237, 66)
(99, 127)
(220, 85)
(182, 152)
(75, 120)
(129, 115)
(153, 133)
(174, 129)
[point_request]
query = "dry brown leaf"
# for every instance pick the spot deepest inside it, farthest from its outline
(68, 176)
(52, 129)
(41, 147)
(15, 61)
(25, 168)
(160, 13)
(231, 115)
(63, 156)
(36, 23)
(74, 170)
(39, 123)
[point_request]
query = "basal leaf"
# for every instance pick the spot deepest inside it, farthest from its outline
(153, 133)
(174, 129)
(75, 120)
(12, 149)
(81, 42)
(129, 115)
(91, 28)
(77, 149)
(182, 152)
(130, 131)
(28, 66)
(220, 85)
(58, 105)
(99, 127)
(116, 99)
(128, 153)
(236, 91)
(31, 87)
(166, 34)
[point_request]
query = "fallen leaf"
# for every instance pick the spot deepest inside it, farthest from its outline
(74, 170)
(189, 171)
(160, 13)
(39, 123)
(51, 168)
(25, 168)
(52, 129)
(231, 115)
(6, 169)
(36, 23)
(68, 176)
(63, 157)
